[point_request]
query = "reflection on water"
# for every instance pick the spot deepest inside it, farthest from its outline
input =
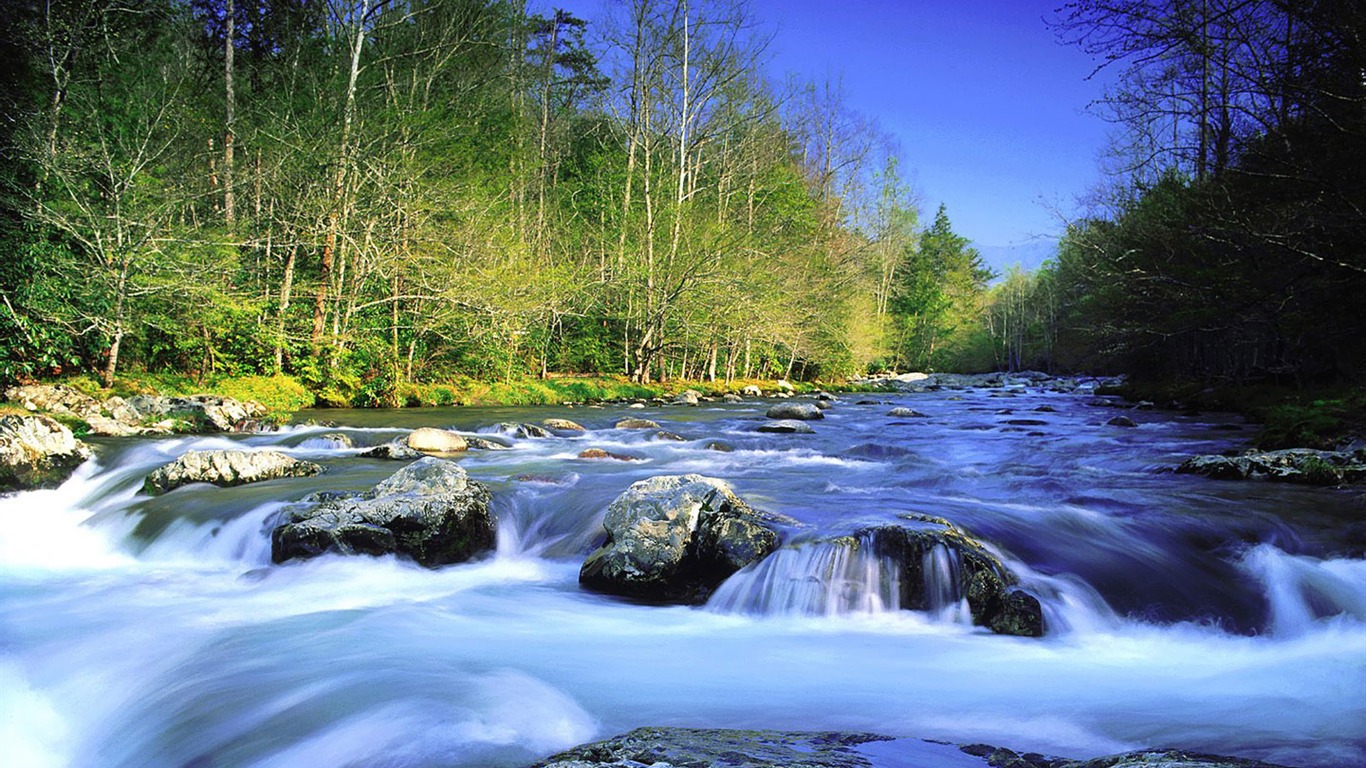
(1224, 617)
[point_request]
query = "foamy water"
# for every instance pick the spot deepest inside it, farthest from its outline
(1221, 617)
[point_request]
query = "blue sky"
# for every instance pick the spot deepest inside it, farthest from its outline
(989, 110)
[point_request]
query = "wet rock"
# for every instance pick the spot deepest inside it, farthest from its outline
(1046, 409)
(798, 411)
(563, 425)
(752, 390)
(787, 427)
(700, 747)
(720, 446)
(338, 440)
(1121, 421)
(393, 451)
(906, 413)
(680, 747)
(731, 397)
(824, 405)
(1027, 422)
(981, 578)
(674, 538)
(486, 444)
(37, 452)
(226, 469)
(664, 434)
(1292, 465)
(636, 424)
(428, 511)
(598, 453)
(430, 440)
(824, 396)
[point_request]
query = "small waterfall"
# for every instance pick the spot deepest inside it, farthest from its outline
(1301, 591)
(813, 579)
(944, 598)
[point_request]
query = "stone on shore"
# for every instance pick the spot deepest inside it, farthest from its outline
(1305, 466)
(37, 452)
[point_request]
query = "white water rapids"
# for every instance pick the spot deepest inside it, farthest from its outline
(1183, 612)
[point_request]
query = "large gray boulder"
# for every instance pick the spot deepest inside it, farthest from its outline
(797, 411)
(991, 590)
(1292, 465)
(226, 469)
(429, 511)
(674, 538)
(37, 452)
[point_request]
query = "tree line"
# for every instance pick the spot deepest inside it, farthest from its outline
(1231, 247)
(362, 193)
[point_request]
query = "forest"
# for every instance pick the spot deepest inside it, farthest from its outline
(370, 194)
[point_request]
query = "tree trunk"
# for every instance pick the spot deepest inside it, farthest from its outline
(229, 211)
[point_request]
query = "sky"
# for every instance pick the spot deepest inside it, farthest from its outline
(989, 110)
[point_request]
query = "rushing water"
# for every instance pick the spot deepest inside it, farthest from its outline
(1218, 616)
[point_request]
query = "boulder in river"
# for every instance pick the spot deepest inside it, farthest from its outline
(636, 424)
(1292, 465)
(687, 397)
(431, 440)
(674, 538)
(226, 469)
(752, 390)
(599, 453)
(787, 427)
(1121, 421)
(976, 575)
(841, 749)
(429, 511)
(799, 411)
(905, 413)
(563, 425)
(393, 451)
(37, 452)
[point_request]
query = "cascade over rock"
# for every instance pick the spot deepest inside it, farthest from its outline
(429, 511)
(674, 538)
(981, 578)
(226, 468)
(37, 452)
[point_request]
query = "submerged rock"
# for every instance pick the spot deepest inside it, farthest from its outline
(1121, 421)
(431, 440)
(1292, 465)
(978, 576)
(37, 452)
(797, 411)
(226, 469)
(429, 511)
(674, 538)
(599, 453)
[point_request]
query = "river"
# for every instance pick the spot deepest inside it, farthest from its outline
(1219, 616)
